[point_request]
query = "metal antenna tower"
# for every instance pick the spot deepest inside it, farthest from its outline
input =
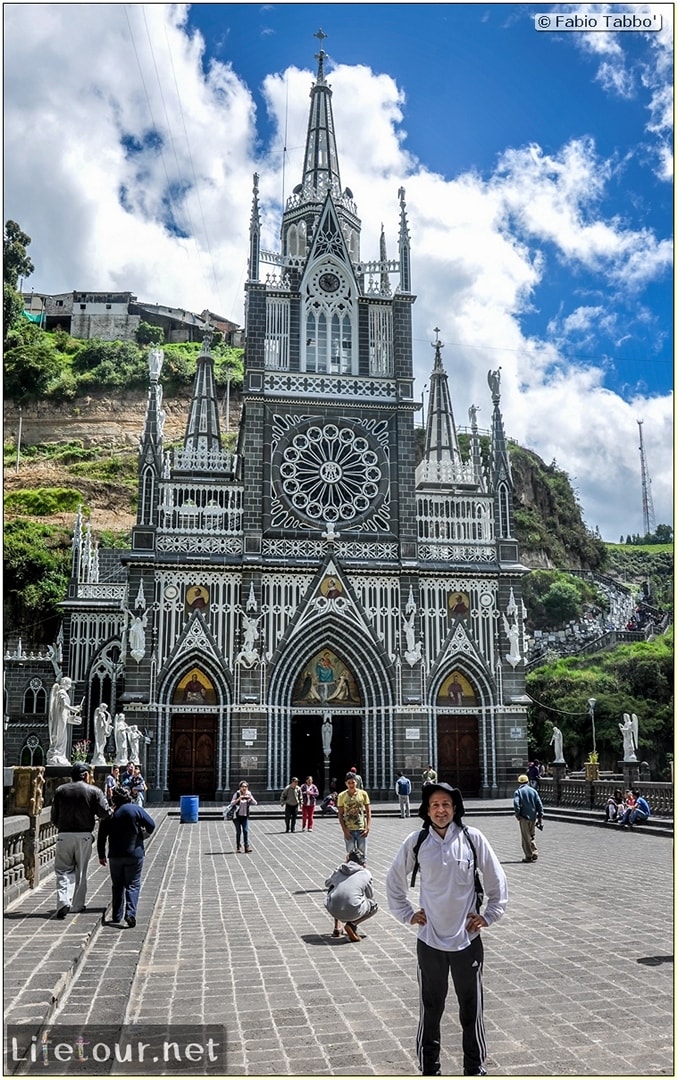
(649, 524)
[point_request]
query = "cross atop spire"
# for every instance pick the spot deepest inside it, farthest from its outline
(322, 55)
(321, 165)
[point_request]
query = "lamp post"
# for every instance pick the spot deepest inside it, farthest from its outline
(592, 714)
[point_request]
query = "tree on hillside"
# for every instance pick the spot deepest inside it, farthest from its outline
(15, 261)
(15, 264)
(146, 334)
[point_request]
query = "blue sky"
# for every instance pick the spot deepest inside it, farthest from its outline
(537, 167)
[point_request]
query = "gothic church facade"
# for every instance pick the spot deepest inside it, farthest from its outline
(318, 579)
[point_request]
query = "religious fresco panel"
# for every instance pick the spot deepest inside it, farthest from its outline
(326, 679)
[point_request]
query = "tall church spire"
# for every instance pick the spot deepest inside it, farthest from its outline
(442, 461)
(321, 163)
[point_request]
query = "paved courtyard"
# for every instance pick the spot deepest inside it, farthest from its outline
(578, 974)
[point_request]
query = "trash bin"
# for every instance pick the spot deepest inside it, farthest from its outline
(188, 809)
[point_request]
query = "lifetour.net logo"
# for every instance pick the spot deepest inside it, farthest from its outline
(102, 1050)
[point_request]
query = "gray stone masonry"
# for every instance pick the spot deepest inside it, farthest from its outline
(578, 974)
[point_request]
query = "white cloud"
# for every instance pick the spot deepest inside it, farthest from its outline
(480, 245)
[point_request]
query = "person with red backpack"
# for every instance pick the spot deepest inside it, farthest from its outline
(451, 858)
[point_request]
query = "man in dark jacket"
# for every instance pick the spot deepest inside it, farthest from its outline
(124, 832)
(528, 808)
(75, 809)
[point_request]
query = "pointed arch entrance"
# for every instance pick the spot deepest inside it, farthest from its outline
(458, 740)
(193, 738)
(357, 695)
(325, 691)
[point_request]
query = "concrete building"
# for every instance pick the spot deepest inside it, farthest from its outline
(115, 316)
(315, 600)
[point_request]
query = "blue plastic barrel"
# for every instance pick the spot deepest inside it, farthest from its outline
(188, 809)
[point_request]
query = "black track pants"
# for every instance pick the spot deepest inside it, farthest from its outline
(467, 977)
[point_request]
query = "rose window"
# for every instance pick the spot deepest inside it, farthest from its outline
(330, 473)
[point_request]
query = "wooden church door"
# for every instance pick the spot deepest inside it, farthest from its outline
(458, 747)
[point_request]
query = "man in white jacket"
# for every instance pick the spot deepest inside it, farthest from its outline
(448, 920)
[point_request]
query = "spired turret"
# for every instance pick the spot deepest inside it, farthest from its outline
(202, 451)
(442, 462)
(151, 447)
(501, 478)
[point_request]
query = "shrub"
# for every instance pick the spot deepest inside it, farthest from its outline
(41, 502)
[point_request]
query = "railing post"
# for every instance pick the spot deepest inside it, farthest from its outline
(558, 769)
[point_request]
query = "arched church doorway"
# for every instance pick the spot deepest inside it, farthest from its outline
(192, 764)
(458, 748)
(306, 748)
(458, 742)
(193, 739)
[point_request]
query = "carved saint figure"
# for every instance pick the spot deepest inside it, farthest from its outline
(410, 633)
(557, 744)
(250, 633)
(629, 730)
(134, 735)
(103, 725)
(61, 714)
(120, 733)
(137, 636)
(513, 635)
(326, 732)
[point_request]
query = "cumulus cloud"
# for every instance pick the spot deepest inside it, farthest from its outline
(139, 178)
(624, 76)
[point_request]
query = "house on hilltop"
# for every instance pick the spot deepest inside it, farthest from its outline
(115, 316)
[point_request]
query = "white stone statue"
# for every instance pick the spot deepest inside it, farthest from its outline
(326, 733)
(134, 737)
(120, 731)
(513, 634)
(137, 637)
(61, 714)
(103, 725)
(629, 730)
(557, 744)
(248, 654)
(413, 649)
(250, 633)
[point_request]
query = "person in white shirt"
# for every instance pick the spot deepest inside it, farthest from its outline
(448, 920)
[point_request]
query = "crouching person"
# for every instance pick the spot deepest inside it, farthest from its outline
(349, 895)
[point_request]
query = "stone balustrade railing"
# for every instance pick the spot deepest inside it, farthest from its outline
(593, 794)
(29, 845)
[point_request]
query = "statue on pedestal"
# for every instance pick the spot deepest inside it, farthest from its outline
(61, 714)
(103, 725)
(326, 733)
(557, 744)
(134, 736)
(120, 731)
(629, 730)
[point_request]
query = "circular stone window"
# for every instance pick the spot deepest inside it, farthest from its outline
(330, 472)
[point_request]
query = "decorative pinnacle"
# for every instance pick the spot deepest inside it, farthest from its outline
(322, 55)
(437, 344)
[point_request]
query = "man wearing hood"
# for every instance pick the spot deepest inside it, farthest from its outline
(349, 895)
(448, 920)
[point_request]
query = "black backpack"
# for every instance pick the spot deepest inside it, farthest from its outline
(476, 876)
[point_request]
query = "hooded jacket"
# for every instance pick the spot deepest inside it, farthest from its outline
(349, 892)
